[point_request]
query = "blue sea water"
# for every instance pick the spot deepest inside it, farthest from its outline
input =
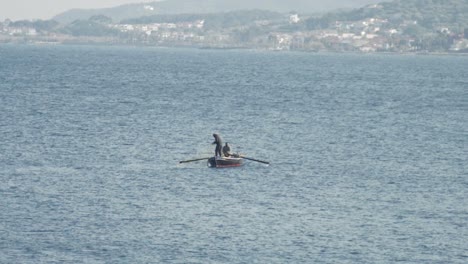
(368, 156)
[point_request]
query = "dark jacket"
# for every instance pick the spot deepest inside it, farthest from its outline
(218, 139)
(219, 144)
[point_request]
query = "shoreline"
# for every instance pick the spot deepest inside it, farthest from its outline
(101, 43)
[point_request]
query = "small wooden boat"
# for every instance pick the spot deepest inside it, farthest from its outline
(225, 162)
(235, 160)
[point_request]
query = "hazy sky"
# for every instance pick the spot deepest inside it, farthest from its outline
(46, 9)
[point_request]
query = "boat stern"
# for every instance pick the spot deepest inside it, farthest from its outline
(224, 162)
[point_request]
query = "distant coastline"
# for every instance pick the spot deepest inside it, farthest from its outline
(105, 44)
(390, 27)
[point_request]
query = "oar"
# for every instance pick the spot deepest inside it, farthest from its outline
(261, 161)
(186, 161)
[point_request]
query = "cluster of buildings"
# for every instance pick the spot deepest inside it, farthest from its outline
(149, 29)
(6, 29)
(368, 35)
(183, 33)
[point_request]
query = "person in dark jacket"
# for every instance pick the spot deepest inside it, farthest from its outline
(219, 144)
(227, 150)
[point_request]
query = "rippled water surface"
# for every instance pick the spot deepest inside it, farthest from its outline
(368, 156)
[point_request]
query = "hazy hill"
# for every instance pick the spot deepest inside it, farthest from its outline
(428, 14)
(209, 6)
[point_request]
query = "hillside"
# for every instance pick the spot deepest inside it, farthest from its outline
(425, 14)
(208, 6)
(397, 26)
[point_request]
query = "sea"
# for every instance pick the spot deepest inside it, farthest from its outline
(368, 156)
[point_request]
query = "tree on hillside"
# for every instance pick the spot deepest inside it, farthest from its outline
(102, 19)
(88, 28)
(39, 25)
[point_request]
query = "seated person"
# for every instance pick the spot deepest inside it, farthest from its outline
(227, 150)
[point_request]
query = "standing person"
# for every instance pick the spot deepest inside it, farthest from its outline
(227, 150)
(219, 143)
